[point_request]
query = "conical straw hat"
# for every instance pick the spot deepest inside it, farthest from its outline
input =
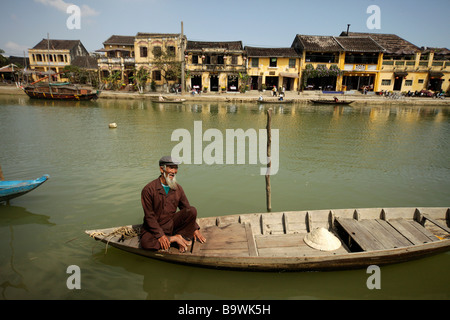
(322, 239)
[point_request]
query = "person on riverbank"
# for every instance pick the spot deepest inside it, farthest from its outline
(163, 224)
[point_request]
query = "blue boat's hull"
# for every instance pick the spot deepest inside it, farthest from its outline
(12, 189)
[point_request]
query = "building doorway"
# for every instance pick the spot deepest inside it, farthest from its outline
(436, 84)
(214, 83)
(398, 83)
(233, 83)
(196, 83)
(270, 82)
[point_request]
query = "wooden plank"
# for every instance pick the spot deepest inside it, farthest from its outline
(382, 234)
(252, 251)
(232, 237)
(360, 234)
(423, 230)
(279, 241)
(409, 231)
(435, 222)
(399, 238)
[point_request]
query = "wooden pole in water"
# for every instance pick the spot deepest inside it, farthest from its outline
(182, 59)
(269, 161)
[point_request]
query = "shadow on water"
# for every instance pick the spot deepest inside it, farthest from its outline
(164, 280)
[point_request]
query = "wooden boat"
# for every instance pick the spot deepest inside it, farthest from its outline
(279, 241)
(275, 101)
(12, 189)
(61, 91)
(166, 100)
(339, 102)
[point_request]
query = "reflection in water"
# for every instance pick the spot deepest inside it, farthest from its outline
(330, 157)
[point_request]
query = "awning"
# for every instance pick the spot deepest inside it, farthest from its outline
(288, 75)
(400, 74)
(435, 74)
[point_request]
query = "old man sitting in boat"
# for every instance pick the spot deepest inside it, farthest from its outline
(163, 224)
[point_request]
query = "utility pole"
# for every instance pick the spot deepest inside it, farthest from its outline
(182, 59)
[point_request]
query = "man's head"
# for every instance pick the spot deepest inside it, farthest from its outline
(169, 168)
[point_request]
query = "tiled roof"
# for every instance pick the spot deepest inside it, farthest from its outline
(228, 45)
(120, 40)
(87, 62)
(271, 52)
(316, 43)
(56, 44)
(391, 42)
(156, 35)
(359, 44)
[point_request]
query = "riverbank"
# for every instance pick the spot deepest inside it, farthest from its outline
(252, 96)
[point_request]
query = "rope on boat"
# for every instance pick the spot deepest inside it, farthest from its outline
(123, 232)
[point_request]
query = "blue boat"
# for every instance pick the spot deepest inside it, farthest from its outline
(15, 188)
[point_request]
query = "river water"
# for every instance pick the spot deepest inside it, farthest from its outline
(329, 158)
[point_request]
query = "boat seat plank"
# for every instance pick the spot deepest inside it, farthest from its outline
(289, 245)
(385, 234)
(226, 241)
(411, 232)
(360, 234)
(252, 250)
(400, 240)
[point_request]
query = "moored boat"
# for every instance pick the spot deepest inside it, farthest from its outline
(338, 102)
(304, 240)
(11, 189)
(166, 100)
(275, 101)
(62, 91)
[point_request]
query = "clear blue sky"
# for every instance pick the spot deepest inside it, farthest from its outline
(262, 23)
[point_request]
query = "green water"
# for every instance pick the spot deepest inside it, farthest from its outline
(329, 158)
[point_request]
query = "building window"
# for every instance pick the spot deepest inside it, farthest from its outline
(273, 62)
(291, 63)
(234, 60)
(157, 75)
(421, 80)
(195, 59)
(324, 57)
(143, 52)
(408, 82)
(386, 82)
(220, 60)
(207, 60)
(171, 51)
(255, 62)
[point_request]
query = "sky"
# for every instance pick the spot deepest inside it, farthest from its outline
(261, 23)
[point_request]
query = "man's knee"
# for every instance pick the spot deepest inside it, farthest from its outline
(192, 212)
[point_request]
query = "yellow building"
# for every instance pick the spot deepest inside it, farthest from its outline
(117, 57)
(214, 66)
(338, 63)
(268, 67)
(406, 67)
(51, 56)
(161, 55)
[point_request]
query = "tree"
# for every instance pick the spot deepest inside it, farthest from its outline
(80, 75)
(245, 81)
(3, 60)
(168, 65)
(140, 78)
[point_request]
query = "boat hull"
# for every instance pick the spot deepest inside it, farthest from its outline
(254, 242)
(331, 102)
(13, 189)
(61, 96)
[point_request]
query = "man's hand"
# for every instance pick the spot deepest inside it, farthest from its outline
(199, 237)
(164, 242)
